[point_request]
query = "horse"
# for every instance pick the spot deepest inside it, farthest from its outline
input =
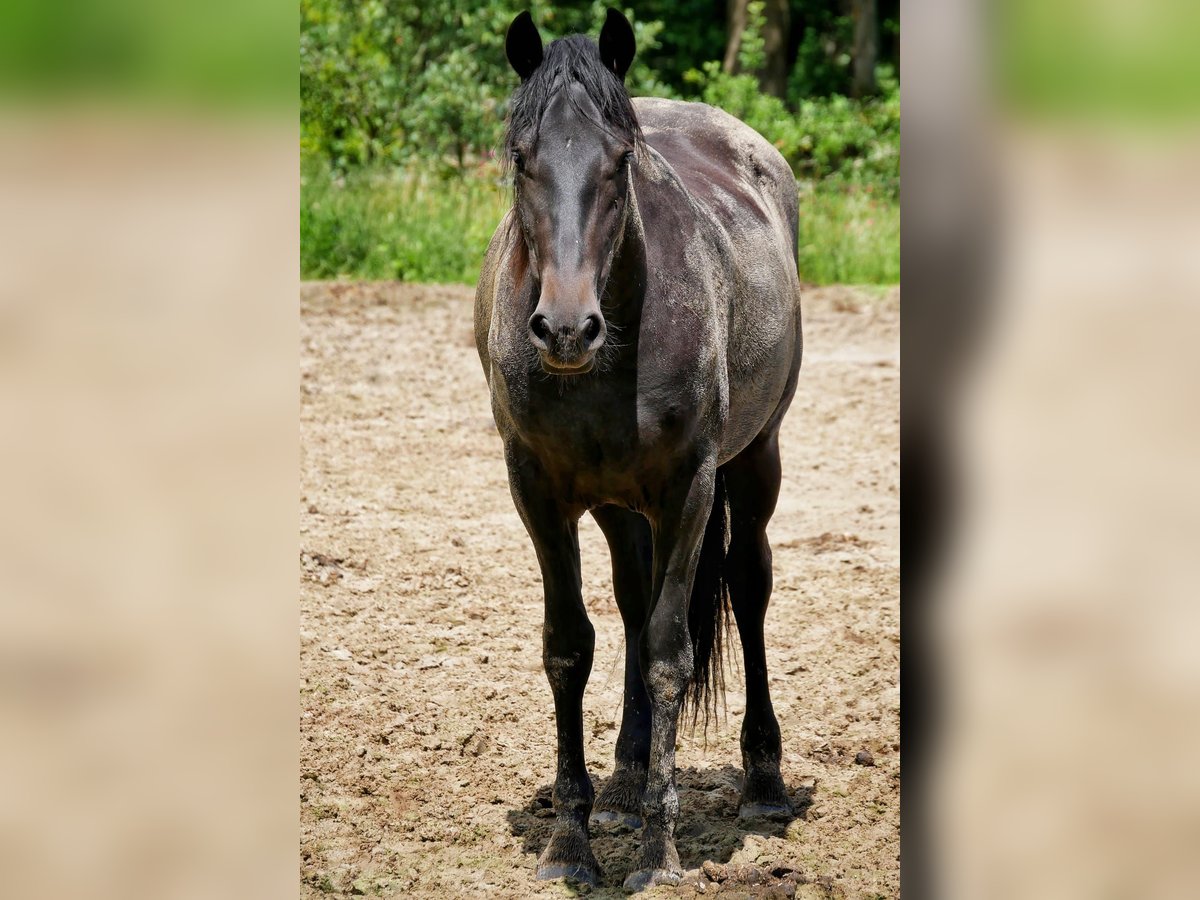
(638, 320)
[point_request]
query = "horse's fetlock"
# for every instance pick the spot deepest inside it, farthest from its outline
(761, 739)
(661, 805)
(575, 805)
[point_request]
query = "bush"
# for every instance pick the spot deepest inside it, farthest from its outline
(834, 140)
(384, 81)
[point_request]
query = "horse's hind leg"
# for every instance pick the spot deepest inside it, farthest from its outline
(752, 482)
(630, 545)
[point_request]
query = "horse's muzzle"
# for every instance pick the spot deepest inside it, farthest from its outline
(567, 345)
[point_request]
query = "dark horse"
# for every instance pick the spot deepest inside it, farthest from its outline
(638, 320)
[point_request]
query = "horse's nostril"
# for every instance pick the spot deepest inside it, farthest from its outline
(539, 326)
(591, 328)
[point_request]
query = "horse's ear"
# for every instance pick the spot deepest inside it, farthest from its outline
(523, 45)
(616, 43)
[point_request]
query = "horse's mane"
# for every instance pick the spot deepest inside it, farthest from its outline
(570, 59)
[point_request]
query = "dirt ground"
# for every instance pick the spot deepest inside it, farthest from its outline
(427, 737)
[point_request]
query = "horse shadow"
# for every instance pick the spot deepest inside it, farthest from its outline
(708, 827)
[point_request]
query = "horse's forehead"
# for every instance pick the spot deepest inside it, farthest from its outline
(570, 116)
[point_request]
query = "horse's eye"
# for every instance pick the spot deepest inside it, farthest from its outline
(518, 160)
(627, 157)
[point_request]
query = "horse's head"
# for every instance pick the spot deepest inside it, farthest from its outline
(571, 141)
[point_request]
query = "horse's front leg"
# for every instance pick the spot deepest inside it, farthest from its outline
(568, 641)
(630, 543)
(667, 666)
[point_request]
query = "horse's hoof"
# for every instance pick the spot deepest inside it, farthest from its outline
(615, 821)
(581, 874)
(644, 878)
(765, 811)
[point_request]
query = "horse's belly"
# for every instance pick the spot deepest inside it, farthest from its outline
(758, 394)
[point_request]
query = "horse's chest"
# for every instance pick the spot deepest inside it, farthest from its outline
(598, 446)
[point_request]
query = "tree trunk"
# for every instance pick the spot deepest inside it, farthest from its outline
(772, 78)
(735, 27)
(866, 46)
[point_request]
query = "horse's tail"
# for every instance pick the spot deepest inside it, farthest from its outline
(708, 612)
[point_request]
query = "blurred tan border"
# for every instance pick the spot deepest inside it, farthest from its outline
(148, 330)
(148, 380)
(1051, 234)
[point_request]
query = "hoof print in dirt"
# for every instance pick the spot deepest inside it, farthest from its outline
(646, 878)
(576, 874)
(609, 820)
(771, 812)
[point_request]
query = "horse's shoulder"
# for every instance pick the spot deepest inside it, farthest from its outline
(503, 273)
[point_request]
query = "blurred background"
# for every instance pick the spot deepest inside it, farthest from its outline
(403, 104)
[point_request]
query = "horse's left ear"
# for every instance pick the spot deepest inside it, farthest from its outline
(616, 43)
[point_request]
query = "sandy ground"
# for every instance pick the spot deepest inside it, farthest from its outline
(427, 739)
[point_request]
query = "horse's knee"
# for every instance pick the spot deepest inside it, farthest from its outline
(665, 656)
(667, 678)
(567, 655)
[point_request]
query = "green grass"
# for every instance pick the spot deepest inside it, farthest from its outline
(849, 236)
(420, 226)
(412, 226)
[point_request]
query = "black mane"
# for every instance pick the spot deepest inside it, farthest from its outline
(570, 59)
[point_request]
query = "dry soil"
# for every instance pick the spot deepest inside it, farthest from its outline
(427, 738)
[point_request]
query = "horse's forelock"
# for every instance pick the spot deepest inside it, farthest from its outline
(574, 59)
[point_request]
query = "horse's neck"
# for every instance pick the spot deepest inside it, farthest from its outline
(627, 275)
(630, 264)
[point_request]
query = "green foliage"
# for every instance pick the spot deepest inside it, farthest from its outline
(847, 142)
(415, 224)
(824, 36)
(386, 80)
(390, 81)
(689, 31)
(834, 140)
(402, 108)
(823, 58)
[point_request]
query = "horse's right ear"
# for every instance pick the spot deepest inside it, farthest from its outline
(523, 46)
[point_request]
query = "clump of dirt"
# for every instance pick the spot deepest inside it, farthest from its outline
(762, 881)
(427, 726)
